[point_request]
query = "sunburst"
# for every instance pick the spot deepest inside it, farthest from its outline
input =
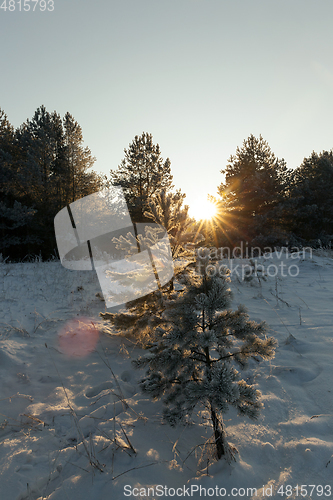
(202, 209)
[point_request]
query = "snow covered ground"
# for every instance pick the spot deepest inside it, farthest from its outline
(73, 424)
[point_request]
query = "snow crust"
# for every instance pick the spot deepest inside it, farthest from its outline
(73, 424)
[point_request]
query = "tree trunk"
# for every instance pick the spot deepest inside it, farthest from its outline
(218, 434)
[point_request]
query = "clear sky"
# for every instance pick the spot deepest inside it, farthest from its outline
(200, 75)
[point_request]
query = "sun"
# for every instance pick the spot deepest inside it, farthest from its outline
(202, 209)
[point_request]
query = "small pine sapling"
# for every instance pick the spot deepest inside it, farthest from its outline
(193, 360)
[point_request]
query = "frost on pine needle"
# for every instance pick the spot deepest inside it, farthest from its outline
(197, 351)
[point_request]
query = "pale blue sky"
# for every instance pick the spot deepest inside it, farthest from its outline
(200, 75)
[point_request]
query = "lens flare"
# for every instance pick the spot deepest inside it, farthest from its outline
(78, 337)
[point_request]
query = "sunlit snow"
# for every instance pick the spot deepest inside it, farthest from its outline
(74, 424)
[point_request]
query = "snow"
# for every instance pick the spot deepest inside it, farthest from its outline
(74, 425)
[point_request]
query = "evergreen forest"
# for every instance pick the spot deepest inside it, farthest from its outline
(44, 166)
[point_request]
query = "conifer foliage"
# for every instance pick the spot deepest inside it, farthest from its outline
(255, 182)
(43, 166)
(193, 362)
(142, 174)
(167, 210)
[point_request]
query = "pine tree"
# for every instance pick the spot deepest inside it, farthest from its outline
(13, 216)
(6, 154)
(142, 174)
(78, 160)
(39, 142)
(255, 182)
(6, 129)
(167, 212)
(43, 166)
(146, 181)
(193, 361)
(308, 210)
(7, 157)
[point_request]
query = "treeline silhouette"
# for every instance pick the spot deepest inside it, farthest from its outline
(264, 203)
(45, 166)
